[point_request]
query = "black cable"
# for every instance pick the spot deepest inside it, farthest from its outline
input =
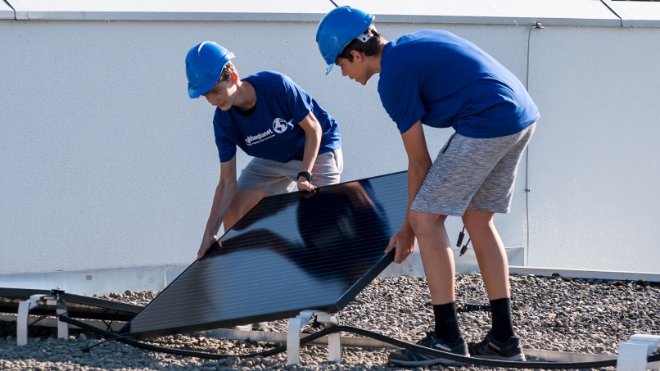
(465, 247)
(538, 26)
(155, 348)
(41, 318)
(461, 235)
(358, 331)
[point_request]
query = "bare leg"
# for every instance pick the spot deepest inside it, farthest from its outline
(437, 257)
(243, 201)
(490, 253)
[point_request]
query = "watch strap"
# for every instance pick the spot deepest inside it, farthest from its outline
(305, 174)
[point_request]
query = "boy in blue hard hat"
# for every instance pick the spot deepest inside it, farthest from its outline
(293, 140)
(435, 78)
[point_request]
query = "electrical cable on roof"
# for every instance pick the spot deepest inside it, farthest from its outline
(358, 331)
(538, 26)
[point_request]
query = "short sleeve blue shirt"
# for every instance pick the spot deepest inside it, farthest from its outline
(446, 81)
(270, 130)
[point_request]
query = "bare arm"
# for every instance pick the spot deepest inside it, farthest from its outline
(224, 194)
(419, 163)
(313, 133)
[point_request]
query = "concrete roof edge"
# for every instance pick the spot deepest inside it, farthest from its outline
(635, 14)
(586, 273)
(611, 14)
(302, 17)
(499, 20)
(166, 16)
(6, 10)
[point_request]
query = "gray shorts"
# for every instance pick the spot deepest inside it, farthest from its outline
(276, 177)
(473, 173)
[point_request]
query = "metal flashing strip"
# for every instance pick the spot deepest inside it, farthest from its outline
(290, 253)
(586, 274)
(501, 20)
(186, 16)
(97, 281)
(79, 306)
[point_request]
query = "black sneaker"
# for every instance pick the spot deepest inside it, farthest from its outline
(409, 358)
(490, 348)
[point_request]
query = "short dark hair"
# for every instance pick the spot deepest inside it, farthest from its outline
(369, 48)
(227, 71)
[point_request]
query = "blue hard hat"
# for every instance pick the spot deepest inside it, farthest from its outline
(204, 64)
(337, 29)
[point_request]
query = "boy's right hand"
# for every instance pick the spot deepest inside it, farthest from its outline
(404, 245)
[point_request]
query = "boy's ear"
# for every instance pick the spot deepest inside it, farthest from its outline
(356, 55)
(234, 77)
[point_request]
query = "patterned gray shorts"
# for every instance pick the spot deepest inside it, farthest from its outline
(473, 173)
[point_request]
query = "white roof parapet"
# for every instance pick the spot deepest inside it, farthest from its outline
(506, 12)
(6, 12)
(636, 13)
(171, 10)
(510, 12)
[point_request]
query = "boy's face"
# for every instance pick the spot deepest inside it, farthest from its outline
(356, 69)
(221, 94)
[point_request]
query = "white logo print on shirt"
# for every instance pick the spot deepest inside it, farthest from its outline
(258, 138)
(280, 125)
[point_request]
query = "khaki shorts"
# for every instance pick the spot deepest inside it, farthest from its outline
(277, 177)
(473, 173)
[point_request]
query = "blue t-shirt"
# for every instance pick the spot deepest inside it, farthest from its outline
(446, 81)
(270, 129)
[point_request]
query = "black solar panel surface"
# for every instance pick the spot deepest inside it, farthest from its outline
(292, 252)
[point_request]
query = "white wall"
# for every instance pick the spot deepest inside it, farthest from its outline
(594, 169)
(105, 162)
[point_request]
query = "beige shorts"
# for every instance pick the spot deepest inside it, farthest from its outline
(277, 177)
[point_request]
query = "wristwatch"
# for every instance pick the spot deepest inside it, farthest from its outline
(305, 174)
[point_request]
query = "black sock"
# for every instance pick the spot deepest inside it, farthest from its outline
(446, 324)
(500, 310)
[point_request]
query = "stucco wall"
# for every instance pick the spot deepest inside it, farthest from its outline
(594, 169)
(105, 162)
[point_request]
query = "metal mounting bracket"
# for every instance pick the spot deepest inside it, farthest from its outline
(24, 308)
(633, 353)
(293, 336)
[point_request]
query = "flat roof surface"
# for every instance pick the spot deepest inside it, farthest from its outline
(524, 12)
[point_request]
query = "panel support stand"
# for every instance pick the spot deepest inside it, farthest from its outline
(293, 336)
(24, 308)
(633, 353)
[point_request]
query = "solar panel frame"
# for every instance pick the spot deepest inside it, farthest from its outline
(365, 210)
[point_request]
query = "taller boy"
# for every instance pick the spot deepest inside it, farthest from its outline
(435, 78)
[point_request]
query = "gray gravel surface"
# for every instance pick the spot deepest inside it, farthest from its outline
(550, 313)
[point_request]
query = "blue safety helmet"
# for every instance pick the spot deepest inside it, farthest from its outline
(204, 64)
(337, 29)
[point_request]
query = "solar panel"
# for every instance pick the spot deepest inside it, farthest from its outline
(292, 252)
